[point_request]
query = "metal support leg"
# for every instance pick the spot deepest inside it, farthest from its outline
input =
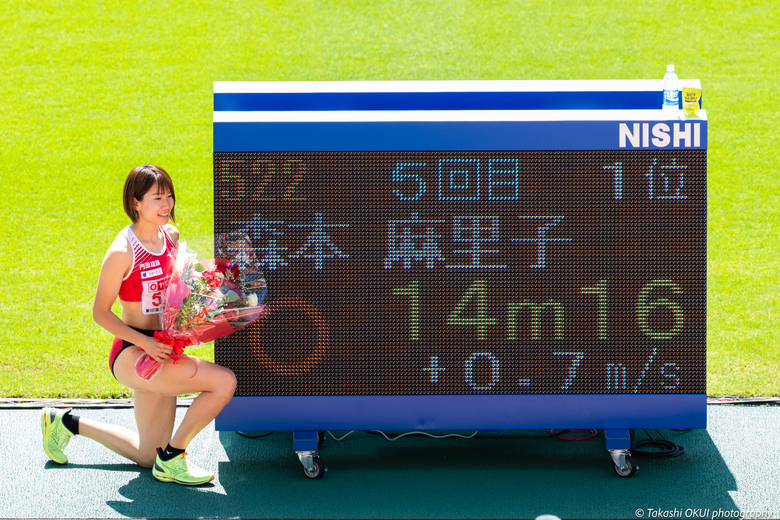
(305, 446)
(305, 440)
(618, 443)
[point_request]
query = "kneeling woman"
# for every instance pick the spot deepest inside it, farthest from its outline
(134, 270)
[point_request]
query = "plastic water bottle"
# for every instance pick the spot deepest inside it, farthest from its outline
(671, 90)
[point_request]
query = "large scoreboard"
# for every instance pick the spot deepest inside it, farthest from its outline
(465, 255)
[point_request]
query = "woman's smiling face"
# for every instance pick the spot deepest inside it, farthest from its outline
(156, 205)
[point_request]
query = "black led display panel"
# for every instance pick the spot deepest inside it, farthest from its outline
(400, 273)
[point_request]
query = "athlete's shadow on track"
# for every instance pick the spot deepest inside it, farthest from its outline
(149, 498)
(369, 477)
(124, 468)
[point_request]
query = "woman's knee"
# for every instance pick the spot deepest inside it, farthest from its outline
(147, 460)
(230, 382)
(226, 384)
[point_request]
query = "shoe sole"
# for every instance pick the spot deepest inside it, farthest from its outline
(162, 477)
(45, 428)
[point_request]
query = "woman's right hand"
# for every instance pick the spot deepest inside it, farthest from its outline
(156, 350)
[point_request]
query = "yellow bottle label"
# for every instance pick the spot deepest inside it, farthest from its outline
(691, 97)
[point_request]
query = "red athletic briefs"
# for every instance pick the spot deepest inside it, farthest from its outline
(120, 344)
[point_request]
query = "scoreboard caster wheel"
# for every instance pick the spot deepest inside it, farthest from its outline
(317, 471)
(627, 470)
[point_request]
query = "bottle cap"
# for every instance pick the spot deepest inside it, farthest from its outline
(670, 68)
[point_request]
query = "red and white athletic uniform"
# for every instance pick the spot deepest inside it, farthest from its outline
(144, 283)
(147, 278)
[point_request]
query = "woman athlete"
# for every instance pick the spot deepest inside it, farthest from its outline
(135, 269)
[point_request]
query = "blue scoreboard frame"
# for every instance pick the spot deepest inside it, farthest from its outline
(554, 117)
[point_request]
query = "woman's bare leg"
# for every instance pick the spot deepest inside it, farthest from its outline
(154, 416)
(216, 385)
(155, 406)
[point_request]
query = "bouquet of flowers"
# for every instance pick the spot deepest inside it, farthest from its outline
(206, 300)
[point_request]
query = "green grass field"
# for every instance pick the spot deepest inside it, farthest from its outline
(93, 89)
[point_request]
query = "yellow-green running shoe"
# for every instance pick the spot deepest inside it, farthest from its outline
(55, 435)
(180, 470)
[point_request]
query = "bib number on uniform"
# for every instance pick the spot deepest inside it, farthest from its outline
(152, 296)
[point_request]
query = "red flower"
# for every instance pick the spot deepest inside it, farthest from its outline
(229, 268)
(212, 278)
